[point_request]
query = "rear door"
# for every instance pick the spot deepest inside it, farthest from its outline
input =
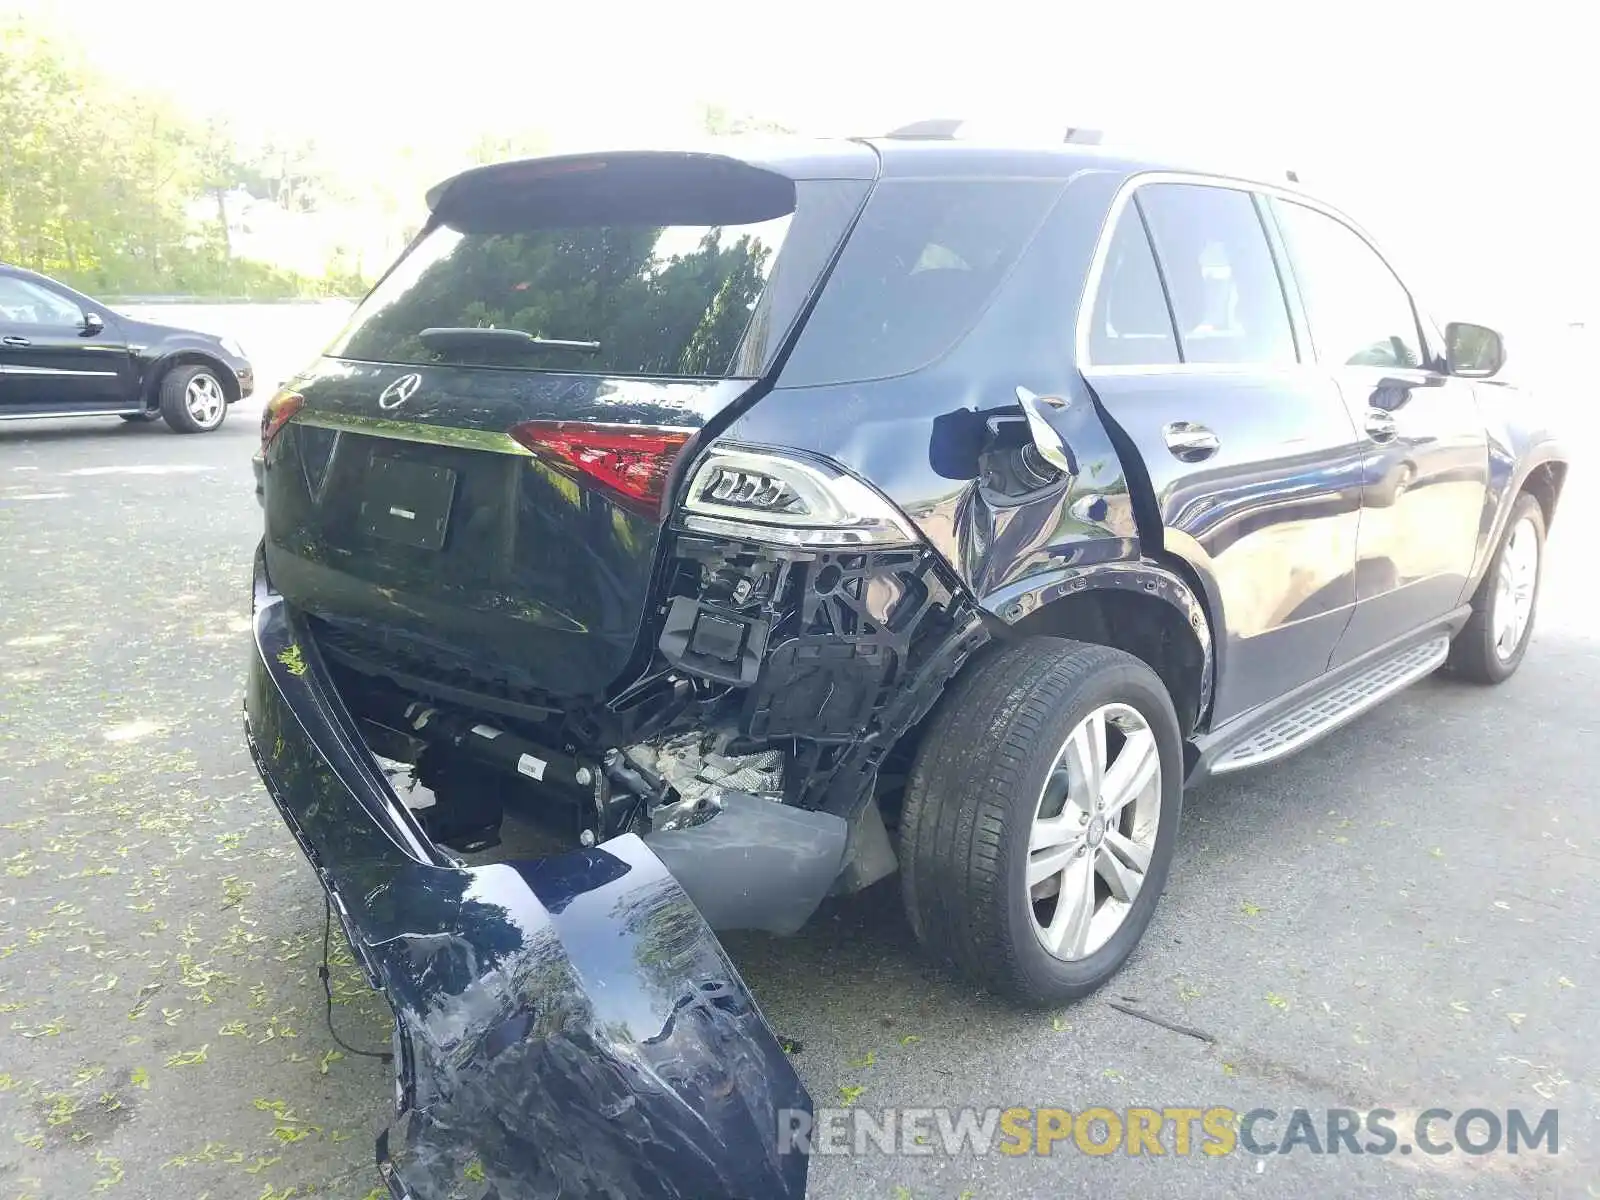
(1426, 463)
(1252, 456)
(470, 492)
(50, 360)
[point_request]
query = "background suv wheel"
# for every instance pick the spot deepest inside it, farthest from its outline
(1040, 818)
(193, 399)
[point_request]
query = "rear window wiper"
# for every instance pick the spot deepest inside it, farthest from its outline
(444, 337)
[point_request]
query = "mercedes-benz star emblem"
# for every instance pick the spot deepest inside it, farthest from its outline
(398, 392)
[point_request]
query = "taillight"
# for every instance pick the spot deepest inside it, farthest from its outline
(764, 496)
(630, 462)
(276, 414)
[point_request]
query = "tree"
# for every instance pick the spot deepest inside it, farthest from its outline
(47, 157)
(290, 175)
(96, 183)
(495, 147)
(221, 171)
(720, 121)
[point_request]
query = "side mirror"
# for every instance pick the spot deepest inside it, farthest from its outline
(93, 323)
(1475, 351)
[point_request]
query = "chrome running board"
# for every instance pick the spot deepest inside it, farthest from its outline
(48, 415)
(1329, 710)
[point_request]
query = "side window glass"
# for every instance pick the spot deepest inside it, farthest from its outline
(25, 303)
(1226, 294)
(1130, 324)
(1360, 314)
(916, 275)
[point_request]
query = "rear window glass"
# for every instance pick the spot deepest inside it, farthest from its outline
(916, 274)
(542, 288)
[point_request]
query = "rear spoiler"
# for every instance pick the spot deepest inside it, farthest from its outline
(635, 187)
(750, 185)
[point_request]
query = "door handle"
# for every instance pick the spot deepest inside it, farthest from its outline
(1380, 425)
(1190, 442)
(1052, 448)
(10, 340)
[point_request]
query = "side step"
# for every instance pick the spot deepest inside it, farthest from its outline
(1328, 710)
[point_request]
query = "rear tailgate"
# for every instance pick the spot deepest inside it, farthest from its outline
(469, 488)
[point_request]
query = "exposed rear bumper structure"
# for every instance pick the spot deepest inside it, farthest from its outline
(565, 1027)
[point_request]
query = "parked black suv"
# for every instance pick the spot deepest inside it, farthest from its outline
(758, 523)
(65, 355)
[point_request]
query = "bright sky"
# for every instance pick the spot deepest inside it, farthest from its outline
(1460, 131)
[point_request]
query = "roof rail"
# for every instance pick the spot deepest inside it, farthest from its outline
(952, 129)
(949, 129)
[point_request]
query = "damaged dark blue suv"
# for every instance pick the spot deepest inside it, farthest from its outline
(675, 539)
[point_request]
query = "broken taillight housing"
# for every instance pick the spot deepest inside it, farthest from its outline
(791, 500)
(630, 463)
(276, 414)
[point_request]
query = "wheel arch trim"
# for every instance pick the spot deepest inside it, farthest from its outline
(1551, 464)
(1546, 458)
(1035, 594)
(187, 356)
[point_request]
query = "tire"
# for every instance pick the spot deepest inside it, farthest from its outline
(180, 406)
(976, 787)
(1478, 654)
(138, 418)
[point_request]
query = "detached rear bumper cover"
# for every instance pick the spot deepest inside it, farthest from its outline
(568, 1027)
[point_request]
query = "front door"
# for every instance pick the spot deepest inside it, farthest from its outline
(1252, 455)
(52, 361)
(1427, 464)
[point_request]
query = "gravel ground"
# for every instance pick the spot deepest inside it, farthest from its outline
(1403, 916)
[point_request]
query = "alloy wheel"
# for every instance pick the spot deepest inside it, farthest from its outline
(204, 400)
(1094, 831)
(1515, 589)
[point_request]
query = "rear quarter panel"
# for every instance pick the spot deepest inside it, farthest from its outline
(916, 437)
